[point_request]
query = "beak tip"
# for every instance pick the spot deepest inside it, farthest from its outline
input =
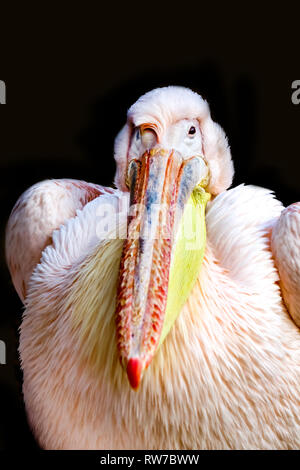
(134, 372)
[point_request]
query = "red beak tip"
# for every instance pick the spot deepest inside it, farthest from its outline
(134, 372)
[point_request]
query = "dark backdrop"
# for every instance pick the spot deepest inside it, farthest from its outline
(71, 75)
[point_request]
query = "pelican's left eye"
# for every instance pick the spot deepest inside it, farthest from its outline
(192, 130)
(137, 135)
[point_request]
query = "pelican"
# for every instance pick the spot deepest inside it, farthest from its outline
(162, 313)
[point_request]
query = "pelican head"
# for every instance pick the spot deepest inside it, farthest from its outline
(172, 158)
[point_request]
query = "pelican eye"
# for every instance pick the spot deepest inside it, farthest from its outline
(138, 134)
(192, 130)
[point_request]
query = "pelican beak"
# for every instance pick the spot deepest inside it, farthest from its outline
(160, 183)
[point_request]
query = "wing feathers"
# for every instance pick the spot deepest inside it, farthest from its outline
(39, 211)
(286, 251)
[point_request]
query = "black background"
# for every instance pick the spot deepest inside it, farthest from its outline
(71, 75)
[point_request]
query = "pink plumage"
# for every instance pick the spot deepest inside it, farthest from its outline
(227, 375)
